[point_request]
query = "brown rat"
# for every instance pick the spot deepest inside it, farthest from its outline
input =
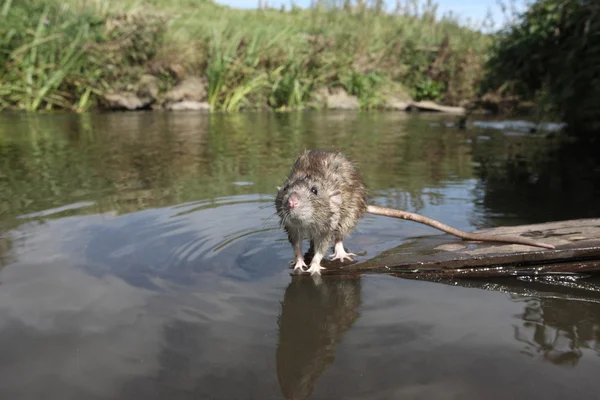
(323, 199)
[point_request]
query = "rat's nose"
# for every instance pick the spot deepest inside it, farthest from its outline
(293, 201)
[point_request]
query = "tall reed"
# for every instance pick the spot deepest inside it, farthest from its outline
(53, 56)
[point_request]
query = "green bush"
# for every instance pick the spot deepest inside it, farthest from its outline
(428, 89)
(366, 87)
(552, 53)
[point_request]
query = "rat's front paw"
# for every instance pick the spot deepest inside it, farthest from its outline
(299, 264)
(315, 269)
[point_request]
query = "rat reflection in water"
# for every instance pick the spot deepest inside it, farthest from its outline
(314, 317)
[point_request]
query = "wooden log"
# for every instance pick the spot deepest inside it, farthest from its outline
(577, 250)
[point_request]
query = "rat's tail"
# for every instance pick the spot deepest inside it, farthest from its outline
(392, 212)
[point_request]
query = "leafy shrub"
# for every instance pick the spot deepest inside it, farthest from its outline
(552, 52)
(428, 89)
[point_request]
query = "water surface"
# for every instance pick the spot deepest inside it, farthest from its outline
(140, 258)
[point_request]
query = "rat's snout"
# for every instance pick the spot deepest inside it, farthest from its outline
(293, 201)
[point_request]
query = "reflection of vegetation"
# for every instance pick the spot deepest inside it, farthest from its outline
(46, 166)
(533, 178)
(127, 162)
(5, 248)
(558, 330)
(560, 318)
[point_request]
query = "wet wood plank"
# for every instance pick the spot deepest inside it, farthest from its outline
(577, 250)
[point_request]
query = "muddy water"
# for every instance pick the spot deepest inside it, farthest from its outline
(139, 258)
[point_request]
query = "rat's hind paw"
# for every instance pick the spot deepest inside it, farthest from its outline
(340, 254)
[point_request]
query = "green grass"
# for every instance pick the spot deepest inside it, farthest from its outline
(55, 56)
(65, 54)
(302, 50)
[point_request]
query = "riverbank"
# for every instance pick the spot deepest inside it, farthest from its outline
(202, 56)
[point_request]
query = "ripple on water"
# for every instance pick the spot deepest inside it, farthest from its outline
(172, 243)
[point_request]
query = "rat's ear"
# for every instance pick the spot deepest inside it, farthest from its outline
(278, 188)
(335, 200)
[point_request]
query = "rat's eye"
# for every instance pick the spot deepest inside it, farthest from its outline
(314, 190)
(286, 187)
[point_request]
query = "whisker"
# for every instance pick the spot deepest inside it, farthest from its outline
(269, 218)
(285, 219)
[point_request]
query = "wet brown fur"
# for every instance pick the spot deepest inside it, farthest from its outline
(323, 217)
(333, 174)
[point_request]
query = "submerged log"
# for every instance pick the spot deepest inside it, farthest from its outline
(444, 256)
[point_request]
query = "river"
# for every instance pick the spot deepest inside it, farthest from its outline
(140, 257)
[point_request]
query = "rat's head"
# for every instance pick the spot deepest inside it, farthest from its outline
(304, 201)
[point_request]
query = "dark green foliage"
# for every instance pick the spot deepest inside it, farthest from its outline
(365, 86)
(428, 89)
(552, 54)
